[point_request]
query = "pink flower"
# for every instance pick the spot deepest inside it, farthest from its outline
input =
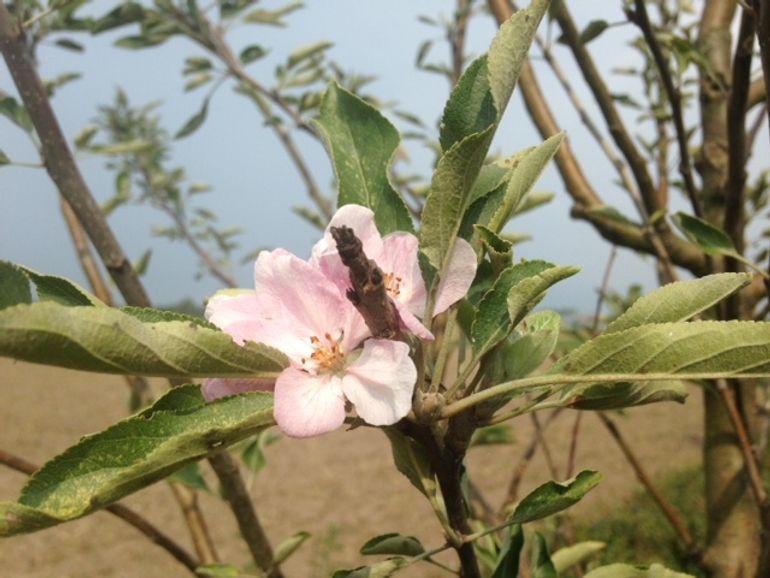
(299, 311)
(397, 255)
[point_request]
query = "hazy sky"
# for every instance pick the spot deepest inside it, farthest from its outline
(253, 180)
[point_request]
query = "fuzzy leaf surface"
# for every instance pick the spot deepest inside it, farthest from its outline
(107, 340)
(361, 143)
(134, 453)
(554, 497)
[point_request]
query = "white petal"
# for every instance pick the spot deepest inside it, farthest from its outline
(459, 276)
(399, 258)
(381, 381)
(308, 405)
(413, 325)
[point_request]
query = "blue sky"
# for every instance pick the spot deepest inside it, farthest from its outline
(254, 183)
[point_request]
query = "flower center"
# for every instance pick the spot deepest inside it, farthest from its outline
(327, 353)
(393, 284)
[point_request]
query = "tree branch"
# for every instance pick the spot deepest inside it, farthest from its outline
(126, 514)
(762, 15)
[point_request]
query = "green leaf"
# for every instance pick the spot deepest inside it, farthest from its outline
(679, 301)
(529, 350)
(140, 267)
(285, 549)
(605, 396)
(626, 571)
(470, 108)
(553, 497)
(107, 340)
(69, 44)
(383, 569)
(125, 13)
(4, 160)
(305, 52)
(593, 30)
(15, 112)
(252, 53)
(542, 566)
(508, 562)
(197, 81)
(195, 122)
(522, 296)
(492, 322)
(133, 454)
(393, 544)
(499, 250)
(711, 240)
(152, 315)
(14, 285)
(60, 290)
(361, 143)
(492, 435)
(524, 174)
(410, 459)
(565, 558)
(509, 50)
(190, 476)
(272, 17)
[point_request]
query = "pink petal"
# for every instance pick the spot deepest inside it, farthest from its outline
(412, 324)
(381, 381)
(459, 276)
(237, 315)
(399, 258)
(216, 388)
(308, 405)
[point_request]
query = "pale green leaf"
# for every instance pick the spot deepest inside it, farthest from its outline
(301, 54)
(195, 121)
(553, 497)
(384, 569)
(14, 285)
(180, 428)
(522, 296)
(605, 396)
(285, 549)
(542, 566)
(565, 558)
(492, 322)
(510, 553)
(535, 343)
(361, 143)
(393, 544)
(626, 571)
(679, 301)
(509, 50)
(60, 290)
(252, 53)
(110, 341)
(523, 177)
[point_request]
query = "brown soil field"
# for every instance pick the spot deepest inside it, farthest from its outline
(342, 488)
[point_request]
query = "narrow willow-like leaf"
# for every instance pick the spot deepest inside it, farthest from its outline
(492, 322)
(554, 497)
(521, 296)
(60, 290)
(626, 571)
(565, 558)
(605, 396)
(711, 240)
(523, 177)
(14, 286)
(285, 549)
(361, 143)
(133, 454)
(679, 301)
(194, 122)
(509, 51)
(109, 341)
(393, 544)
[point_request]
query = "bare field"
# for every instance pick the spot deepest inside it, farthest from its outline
(342, 488)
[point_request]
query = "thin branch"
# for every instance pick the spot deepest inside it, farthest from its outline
(642, 20)
(573, 445)
(126, 514)
(457, 38)
(236, 493)
(667, 509)
(762, 15)
(603, 289)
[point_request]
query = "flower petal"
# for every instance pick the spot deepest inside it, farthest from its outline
(381, 381)
(411, 323)
(237, 315)
(308, 405)
(399, 259)
(217, 387)
(459, 276)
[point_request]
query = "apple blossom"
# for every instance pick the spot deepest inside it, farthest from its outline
(396, 255)
(299, 311)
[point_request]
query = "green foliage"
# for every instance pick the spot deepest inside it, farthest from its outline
(553, 497)
(393, 545)
(178, 429)
(361, 143)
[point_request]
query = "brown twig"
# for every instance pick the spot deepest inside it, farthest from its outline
(126, 514)
(668, 511)
(762, 16)
(570, 470)
(642, 20)
(369, 286)
(457, 38)
(603, 289)
(237, 495)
